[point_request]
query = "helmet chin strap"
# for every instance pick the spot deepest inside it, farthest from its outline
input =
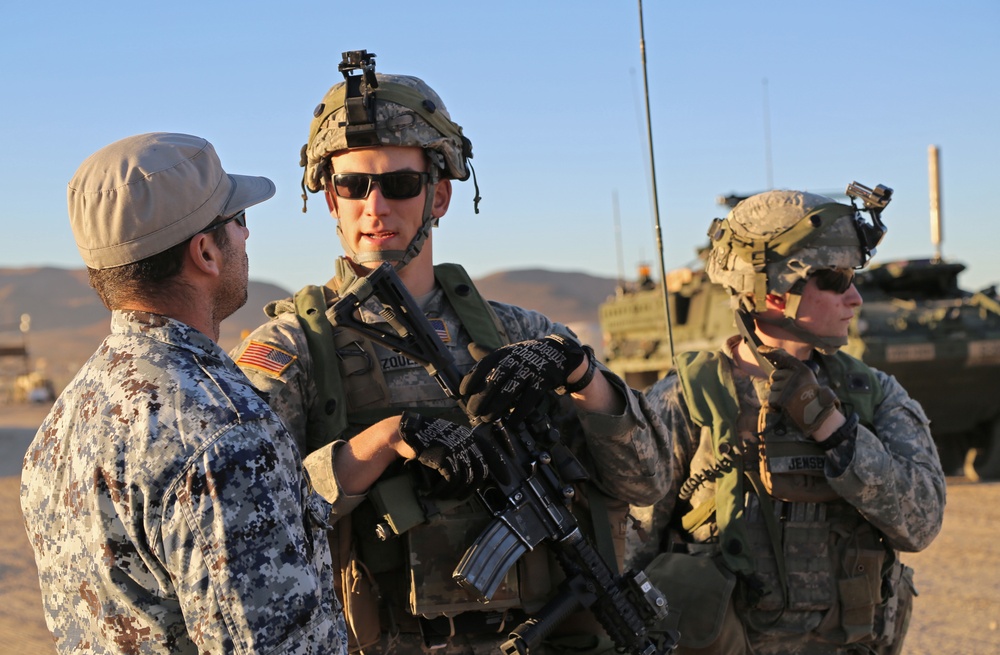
(745, 322)
(826, 345)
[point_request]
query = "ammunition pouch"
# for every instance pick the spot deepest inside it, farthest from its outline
(836, 564)
(892, 619)
(357, 589)
(426, 538)
(859, 595)
(434, 551)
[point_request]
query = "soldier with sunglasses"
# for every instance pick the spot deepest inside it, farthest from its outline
(379, 433)
(800, 473)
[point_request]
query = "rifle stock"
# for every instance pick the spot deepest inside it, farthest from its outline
(529, 501)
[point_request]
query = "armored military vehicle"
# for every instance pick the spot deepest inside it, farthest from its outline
(18, 382)
(943, 344)
(940, 341)
(633, 323)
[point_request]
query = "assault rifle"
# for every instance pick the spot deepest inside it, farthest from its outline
(529, 501)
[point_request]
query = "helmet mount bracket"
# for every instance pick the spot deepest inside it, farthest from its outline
(359, 99)
(873, 201)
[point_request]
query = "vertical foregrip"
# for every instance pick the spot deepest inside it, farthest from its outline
(526, 637)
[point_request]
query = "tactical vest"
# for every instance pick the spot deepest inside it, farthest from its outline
(352, 393)
(822, 557)
(397, 549)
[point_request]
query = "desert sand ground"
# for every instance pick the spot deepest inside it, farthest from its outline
(958, 577)
(22, 626)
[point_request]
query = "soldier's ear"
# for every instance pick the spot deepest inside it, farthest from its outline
(204, 254)
(442, 198)
(774, 301)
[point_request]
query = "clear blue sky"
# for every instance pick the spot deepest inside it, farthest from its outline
(551, 95)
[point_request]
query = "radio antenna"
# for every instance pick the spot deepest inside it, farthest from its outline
(767, 139)
(656, 203)
(618, 239)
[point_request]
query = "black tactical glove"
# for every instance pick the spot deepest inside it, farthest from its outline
(518, 375)
(796, 391)
(453, 451)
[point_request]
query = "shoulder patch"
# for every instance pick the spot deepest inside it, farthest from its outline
(265, 358)
(441, 328)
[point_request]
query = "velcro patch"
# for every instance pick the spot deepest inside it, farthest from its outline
(796, 463)
(265, 358)
(858, 382)
(441, 329)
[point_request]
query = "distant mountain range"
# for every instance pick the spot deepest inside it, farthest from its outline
(68, 320)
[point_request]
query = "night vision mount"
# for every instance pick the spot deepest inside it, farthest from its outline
(873, 201)
(359, 99)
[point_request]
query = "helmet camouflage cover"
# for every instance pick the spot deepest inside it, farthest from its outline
(766, 245)
(407, 113)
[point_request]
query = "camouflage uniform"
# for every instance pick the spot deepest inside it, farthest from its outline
(628, 468)
(168, 511)
(890, 474)
(795, 539)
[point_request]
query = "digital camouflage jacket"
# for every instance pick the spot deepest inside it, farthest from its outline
(168, 509)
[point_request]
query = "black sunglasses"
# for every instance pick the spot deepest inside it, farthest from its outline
(240, 217)
(838, 280)
(398, 185)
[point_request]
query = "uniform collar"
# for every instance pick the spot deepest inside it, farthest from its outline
(165, 329)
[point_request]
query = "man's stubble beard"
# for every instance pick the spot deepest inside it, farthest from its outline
(233, 293)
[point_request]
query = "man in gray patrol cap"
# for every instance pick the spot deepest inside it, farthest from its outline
(166, 505)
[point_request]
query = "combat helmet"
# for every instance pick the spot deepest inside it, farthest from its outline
(773, 241)
(375, 109)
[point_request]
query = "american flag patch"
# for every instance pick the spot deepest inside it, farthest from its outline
(441, 329)
(265, 358)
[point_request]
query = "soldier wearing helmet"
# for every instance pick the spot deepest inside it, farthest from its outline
(380, 436)
(800, 473)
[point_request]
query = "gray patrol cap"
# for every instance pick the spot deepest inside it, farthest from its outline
(147, 193)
